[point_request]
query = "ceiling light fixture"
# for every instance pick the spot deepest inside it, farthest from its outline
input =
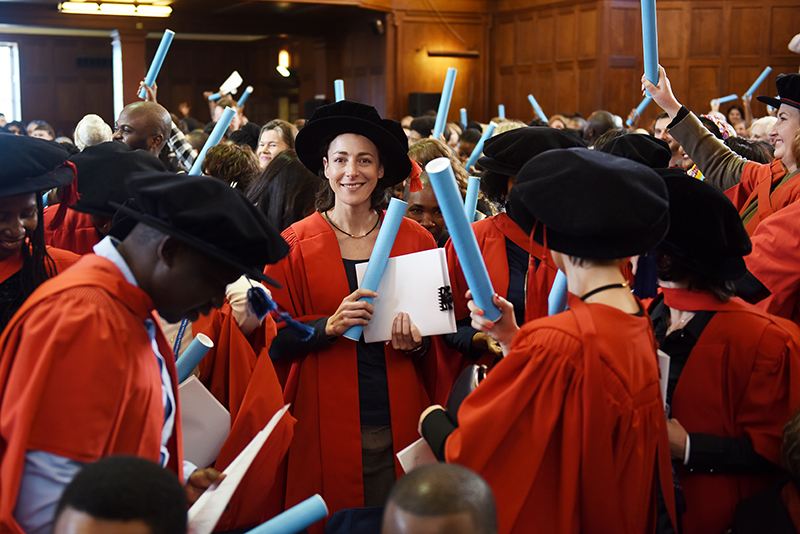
(119, 9)
(283, 63)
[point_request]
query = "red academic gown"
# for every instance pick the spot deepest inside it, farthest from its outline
(757, 182)
(742, 379)
(491, 234)
(325, 455)
(567, 431)
(243, 379)
(78, 377)
(62, 259)
(774, 261)
(76, 232)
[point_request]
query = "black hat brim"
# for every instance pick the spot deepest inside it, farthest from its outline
(58, 177)
(492, 164)
(777, 102)
(199, 244)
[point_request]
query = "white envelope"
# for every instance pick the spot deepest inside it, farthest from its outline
(411, 284)
(206, 423)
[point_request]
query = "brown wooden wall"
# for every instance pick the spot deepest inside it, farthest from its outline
(583, 56)
(64, 78)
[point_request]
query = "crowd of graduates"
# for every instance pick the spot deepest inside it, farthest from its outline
(659, 393)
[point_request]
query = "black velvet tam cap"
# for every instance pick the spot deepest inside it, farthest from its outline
(102, 170)
(641, 148)
(788, 86)
(507, 152)
(706, 233)
(31, 165)
(593, 205)
(209, 215)
(328, 122)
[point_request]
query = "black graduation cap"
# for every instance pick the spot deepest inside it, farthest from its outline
(507, 152)
(209, 215)
(645, 149)
(32, 165)
(706, 233)
(593, 205)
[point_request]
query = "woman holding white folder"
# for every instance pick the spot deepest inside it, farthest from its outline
(356, 403)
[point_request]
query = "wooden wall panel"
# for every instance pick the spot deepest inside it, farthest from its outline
(526, 40)
(710, 48)
(706, 32)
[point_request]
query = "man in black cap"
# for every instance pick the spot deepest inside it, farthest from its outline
(568, 428)
(85, 369)
(733, 375)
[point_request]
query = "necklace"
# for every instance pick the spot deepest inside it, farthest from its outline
(671, 329)
(349, 234)
(604, 288)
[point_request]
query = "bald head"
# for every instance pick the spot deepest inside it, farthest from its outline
(144, 125)
(440, 499)
(599, 123)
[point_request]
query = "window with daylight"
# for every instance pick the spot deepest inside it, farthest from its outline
(9, 82)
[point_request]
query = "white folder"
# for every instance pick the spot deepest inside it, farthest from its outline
(206, 423)
(412, 284)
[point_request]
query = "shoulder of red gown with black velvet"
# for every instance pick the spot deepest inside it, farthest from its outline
(78, 376)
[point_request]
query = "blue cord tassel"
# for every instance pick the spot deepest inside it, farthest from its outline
(645, 281)
(261, 304)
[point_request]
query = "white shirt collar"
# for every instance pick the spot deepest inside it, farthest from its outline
(107, 248)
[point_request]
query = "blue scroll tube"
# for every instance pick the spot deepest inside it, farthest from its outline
(155, 66)
(191, 357)
(476, 152)
(729, 98)
(245, 96)
(464, 117)
(380, 256)
(295, 519)
(215, 137)
(338, 89)
(443, 180)
(557, 301)
(501, 111)
(650, 40)
(444, 102)
(471, 202)
(537, 108)
(215, 96)
(640, 108)
(759, 81)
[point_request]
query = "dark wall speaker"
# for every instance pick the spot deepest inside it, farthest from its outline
(421, 103)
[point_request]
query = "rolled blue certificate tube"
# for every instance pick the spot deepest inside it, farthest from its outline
(758, 81)
(215, 96)
(191, 357)
(295, 519)
(650, 40)
(557, 300)
(537, 108)
(501, 111)
(444, 102)
(728, 98)
(245, 96)
(464, 116)
(155, 66)
(476, 152)
(215, 137)
(471, 202)
(640, 108)
(443, 180)
(338, 89)
(380, 256)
